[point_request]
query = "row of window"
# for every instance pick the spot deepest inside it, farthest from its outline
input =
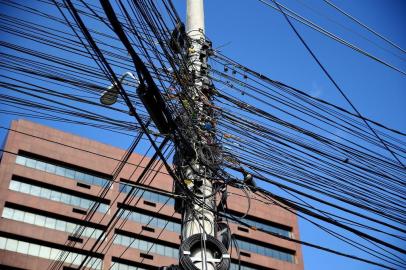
(266, 251)
(46, 252)
(146, 246)
(236, 266)
(55, 195)
(148, 195)
(135, 216)
(121, 266)
(152, 221)
(48, 222)
(266, 227)
(61, 171)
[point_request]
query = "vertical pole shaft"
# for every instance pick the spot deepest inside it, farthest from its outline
(195, 19)
(197, 219)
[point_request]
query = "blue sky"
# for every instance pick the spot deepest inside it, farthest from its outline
(260, 38)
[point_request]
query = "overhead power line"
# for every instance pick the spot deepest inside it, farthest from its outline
(363, 25)
(336, 85)
(312, 149)
(279, 7)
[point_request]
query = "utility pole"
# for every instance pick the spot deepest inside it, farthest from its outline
(199, 249)
(195, 32)
(197, 158)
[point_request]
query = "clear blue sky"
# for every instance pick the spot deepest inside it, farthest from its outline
(260, 38)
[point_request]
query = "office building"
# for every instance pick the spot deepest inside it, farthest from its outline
(50, 181)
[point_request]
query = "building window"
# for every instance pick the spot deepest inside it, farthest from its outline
(152, 221)
(236, 266)
(146, 246)
(60, 170)
(147, 195)
(54, 195)
(46, 252)
(265, 226)
(266, 251)
(122, 266)
(48, 222)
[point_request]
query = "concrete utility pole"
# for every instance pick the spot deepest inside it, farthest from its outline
(198, 220)
(196, 159)
(195, 31)
(199, 249)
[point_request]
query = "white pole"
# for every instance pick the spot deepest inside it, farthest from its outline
(196, 219)
(195, 17)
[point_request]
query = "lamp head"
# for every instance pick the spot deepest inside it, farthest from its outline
(109, 97)
(249, 181)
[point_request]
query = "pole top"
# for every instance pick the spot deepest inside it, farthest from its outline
(195, 19)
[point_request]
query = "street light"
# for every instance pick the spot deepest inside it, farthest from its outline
(109, 97)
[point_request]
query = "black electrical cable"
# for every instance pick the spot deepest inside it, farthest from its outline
(314, 26)
(335, 84)
(350, 170)
(363, 25)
